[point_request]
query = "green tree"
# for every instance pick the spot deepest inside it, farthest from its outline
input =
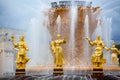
(118, 46)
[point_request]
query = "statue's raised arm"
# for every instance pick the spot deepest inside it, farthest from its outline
(13, 42)
(63, 41)
(90, 42)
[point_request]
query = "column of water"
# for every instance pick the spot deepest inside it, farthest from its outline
(86, 53)
(72, 33)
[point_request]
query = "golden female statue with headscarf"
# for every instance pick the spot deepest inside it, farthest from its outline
(57, 51)
(21, 47)
(114, 55)
(97, 57)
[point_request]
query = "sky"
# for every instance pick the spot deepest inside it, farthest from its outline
(18, 13)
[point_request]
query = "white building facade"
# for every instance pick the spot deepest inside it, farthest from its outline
(7, 55)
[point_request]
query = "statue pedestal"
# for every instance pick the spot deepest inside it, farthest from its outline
(98, 73)
(20, 72)
(58, 71)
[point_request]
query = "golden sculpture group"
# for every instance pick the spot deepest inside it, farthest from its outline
(97, 58)
(21, 47)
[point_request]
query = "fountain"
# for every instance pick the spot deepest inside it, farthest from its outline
(78, 20)
(73, 20)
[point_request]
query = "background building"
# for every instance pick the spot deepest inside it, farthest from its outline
(7, 56)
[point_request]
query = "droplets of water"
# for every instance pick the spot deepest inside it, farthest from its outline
(86, 53)
(72, 33)
(58, 26)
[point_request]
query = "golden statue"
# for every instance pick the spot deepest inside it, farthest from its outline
(21, 47)
(97, 57)
(1, 51)
(57, 51)
(114, 54)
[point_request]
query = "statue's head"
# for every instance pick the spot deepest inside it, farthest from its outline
(58, 36)
(21, 38)
(98, 37)
(113, 44)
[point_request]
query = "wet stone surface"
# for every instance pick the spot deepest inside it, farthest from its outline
(61, 77)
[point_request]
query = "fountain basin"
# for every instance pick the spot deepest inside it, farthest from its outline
(40, 70)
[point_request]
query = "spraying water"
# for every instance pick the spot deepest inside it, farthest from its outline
(37, 50)
(107, 36)
(58, 25)
(72, 32)
(39, 44)
(86, 53)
